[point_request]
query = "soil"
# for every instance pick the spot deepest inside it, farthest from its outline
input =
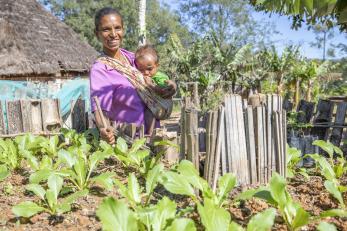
(309, 193)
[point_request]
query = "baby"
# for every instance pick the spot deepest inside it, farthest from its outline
(147, 62)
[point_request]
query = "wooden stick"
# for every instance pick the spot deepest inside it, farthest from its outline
(101, 114)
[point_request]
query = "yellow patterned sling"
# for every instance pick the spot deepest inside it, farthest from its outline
(160, 107)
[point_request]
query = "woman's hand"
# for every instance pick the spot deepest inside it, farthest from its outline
(169, 90)
(107, 134)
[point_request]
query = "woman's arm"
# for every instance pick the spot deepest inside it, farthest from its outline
(106, 133)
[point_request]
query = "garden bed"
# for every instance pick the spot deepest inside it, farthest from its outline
(310, 193)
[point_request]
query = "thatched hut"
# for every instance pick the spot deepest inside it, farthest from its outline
(35, 45)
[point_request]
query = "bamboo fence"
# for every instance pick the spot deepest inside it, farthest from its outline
(247, 140)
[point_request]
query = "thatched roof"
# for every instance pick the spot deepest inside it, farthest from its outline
(33, 42)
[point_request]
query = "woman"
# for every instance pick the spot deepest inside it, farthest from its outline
(119, 99)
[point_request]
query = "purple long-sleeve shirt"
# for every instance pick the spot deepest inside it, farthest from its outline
(116, 94)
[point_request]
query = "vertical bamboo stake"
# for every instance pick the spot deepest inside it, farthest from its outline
(218, 147)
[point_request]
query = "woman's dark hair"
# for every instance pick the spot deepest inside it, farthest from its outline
(105, 11)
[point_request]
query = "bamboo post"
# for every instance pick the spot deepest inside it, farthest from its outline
(2, 121)
(14, 117)
(219, 138)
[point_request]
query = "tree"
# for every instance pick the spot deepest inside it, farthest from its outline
(142, 22)
(322, 35)
(311, 11)
(280, 65)
(79, 15)
(230, 21)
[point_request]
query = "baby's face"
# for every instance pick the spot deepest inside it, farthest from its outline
(147, 65)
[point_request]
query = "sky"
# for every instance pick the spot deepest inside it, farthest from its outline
(287, 36)
(301, 36)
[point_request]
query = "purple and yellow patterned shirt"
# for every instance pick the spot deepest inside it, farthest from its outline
(116, 94)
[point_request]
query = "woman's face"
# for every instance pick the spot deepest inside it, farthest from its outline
(110, 33)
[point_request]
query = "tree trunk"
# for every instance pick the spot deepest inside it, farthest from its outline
(297, 92)
(142, 22)
(308, 93)
(279, 84)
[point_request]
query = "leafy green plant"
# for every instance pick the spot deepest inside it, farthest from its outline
(115, 213)
(9, 154)
(134, 193)
(133, 156)
(80, 167)
(331, 170)
(293, 160)
(49, 199)
(4, 172)
(340, 165)
(260, 222)
(162, 216)
(184, 179)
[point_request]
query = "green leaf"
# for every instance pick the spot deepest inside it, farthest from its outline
(63, 208)
(334, 213)
(213, 217)
(152, 178)
(138, 156)
(332, 188)
(46, 163)
(262, 221)
(134, 191)
(165, 210)
(326, 146)
(105, 180)
(277, 189)
(187, 169)
(26, 209)
(166, 143)
(71, 198)
(121, 145)
(301, 218)
(235, 227)
(4, 172)
(138, 143)
(225, 184)
(55, 183)
(39, 176)
(181, 224)
(114, 214)
(67, 157)
(37, 189)
(177, 184)
(51, 199)
(80, 170)
(325, 226)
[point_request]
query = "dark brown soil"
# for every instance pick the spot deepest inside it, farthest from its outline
(309, 193)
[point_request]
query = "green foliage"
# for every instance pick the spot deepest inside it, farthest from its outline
(114, 213)
(79, 15)
(49, 199)
(9, 154)
(81, 166)
(311, 11)
(262, 221)
(213, 216)
(293, 159)
(231, 21)
(294, 215)
(4, 172)
(184, 179)
(324, 226)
